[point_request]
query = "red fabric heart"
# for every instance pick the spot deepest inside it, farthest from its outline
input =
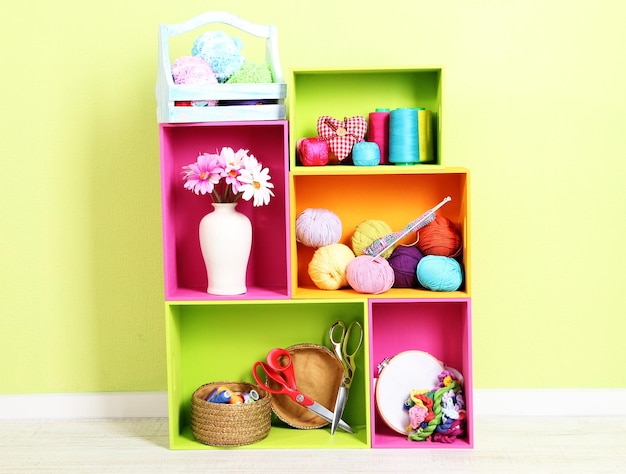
(341, 135)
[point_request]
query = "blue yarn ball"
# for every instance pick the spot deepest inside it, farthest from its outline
(366, 154)
(438, 273)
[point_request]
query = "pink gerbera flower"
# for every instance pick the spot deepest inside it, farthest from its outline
(202, 176)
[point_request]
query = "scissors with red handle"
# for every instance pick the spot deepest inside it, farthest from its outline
(279, 368)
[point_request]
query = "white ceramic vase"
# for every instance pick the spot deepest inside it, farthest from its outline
(225, 240)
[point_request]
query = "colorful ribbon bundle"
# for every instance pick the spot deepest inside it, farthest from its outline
(438, 414)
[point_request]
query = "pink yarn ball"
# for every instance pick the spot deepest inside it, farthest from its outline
(368, 275)
(312, 151)
(193, 70)
(403, 261)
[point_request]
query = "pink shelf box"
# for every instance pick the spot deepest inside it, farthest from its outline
(441, 328)
(184, 270)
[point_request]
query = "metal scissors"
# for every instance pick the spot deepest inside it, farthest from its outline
(279, 368)
(340, 347)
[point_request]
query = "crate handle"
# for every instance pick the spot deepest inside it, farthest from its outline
(262, 31)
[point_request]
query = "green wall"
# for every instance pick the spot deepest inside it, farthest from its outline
(534, 106)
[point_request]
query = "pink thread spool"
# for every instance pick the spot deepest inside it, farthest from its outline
(312, 151)
(378, 132)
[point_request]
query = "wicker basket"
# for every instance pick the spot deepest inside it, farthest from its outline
(218, 424)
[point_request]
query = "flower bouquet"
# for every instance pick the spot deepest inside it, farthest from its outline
(228, 176)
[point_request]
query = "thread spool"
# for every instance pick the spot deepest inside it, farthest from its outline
(367, 232)
(403, 261)
(440, 237)
(223, 396)
(378, 132)
(312, 151)
(438, 273)
(426, 152)
(316, 227)
(369, 275)
(365, 154)
(327, 268)
(403, 136)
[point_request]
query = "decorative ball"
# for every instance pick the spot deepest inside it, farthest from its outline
(328, 266)
(193, 70)
(367, 232)
(318, 227)
(369, 275)
(312, 151)
(440, 237)
(251, 73)
(222, 52)
(365, 154)
(438, 273)
(403, 260)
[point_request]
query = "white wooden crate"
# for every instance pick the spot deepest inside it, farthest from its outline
(168, 93)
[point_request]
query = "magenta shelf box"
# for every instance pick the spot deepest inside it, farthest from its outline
(443, 329)
(184, 272)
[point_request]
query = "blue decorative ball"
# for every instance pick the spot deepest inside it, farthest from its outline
(438, 273)
(222, 52)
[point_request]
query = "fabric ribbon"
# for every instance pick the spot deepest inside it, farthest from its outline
(341, 135)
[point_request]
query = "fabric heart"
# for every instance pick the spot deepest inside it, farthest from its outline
(341, 135)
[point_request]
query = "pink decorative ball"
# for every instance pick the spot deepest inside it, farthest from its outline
(193, 70)
(404, 260)
(369, 275)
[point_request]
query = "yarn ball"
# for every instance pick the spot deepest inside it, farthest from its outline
(222, 52)
(193, 70)
(318, 227)
(312, 151)
(438, 273)
(369, 275)
(251, 73)
(403, 260)
(440, 237)
(328, 266)
(365, 154)
(367, 232)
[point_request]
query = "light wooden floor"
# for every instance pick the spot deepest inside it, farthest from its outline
(140, 445)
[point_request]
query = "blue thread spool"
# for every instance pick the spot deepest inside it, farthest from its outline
(403, 136)
(222, 397)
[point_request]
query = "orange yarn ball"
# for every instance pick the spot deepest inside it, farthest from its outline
(440, 237)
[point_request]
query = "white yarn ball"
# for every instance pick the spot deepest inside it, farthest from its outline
(318, 227)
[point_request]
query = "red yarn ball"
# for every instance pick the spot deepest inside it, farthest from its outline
(404, 262)
(312, 151)
(440, 237)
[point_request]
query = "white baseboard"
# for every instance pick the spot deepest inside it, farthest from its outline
(84, 405)
(487, 402)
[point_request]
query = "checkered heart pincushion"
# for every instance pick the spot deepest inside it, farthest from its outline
(341, 135)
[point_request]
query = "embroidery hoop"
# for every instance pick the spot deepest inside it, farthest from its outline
(406, 371)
